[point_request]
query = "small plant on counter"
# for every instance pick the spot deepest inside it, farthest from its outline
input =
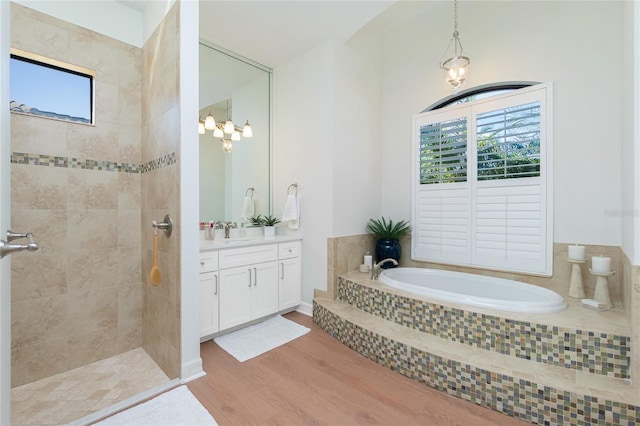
(256, 220)
(269, 220)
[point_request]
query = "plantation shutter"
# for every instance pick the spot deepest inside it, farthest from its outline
(442, 230)
(500, 216)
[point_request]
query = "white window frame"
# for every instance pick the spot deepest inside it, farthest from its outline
(458, 226)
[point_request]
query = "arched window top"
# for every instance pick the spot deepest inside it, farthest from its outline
(479, 92)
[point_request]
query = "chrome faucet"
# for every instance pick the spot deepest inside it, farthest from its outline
(377, 267)
(227, 228)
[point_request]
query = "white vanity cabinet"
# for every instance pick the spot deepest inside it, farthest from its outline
(241, 284)
(209, 293)
(289, 283)
(248, 284)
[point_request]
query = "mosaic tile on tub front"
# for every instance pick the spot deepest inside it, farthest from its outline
(517, 397)
(599, 353)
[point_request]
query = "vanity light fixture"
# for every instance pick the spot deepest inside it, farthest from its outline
(456, 67)
(225, 130)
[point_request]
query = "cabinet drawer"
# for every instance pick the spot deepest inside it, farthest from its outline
(248, 255)
(208, 261)
(288, 250)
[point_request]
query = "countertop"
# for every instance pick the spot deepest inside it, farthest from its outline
(221, 244)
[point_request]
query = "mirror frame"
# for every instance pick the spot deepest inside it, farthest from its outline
(269, 71)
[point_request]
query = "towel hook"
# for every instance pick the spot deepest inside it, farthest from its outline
(295, 189)
(247, 191)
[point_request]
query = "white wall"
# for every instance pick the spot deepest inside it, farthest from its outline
(327, 140)
(98, 16)
(356, 161)
(573, 44)
(304, 152)
(110, 18)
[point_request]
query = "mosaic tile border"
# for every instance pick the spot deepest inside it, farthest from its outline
(515, 397)
(74, 163)
(597, 353)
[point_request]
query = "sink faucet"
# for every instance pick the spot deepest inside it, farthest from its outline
(375, 271)
(227, 228)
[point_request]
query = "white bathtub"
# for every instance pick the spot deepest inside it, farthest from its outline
(474, 290)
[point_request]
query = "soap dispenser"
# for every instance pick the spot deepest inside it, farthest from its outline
(368, 260)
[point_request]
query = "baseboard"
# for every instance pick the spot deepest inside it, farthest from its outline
(305, 308)
(192, 370)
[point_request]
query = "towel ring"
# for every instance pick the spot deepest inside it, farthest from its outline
(247, 191)
(295, 189)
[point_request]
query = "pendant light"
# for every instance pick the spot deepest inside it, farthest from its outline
(456, 67)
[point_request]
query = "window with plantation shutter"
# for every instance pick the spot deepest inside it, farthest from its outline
(443, 151)
(482, 183)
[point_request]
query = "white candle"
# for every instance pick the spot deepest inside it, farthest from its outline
(576, 252)
(600, 264)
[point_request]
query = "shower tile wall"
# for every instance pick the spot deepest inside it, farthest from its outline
(160, 192)
(77, 299)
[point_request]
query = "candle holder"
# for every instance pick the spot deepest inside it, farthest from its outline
(576, 288)
(601, 294)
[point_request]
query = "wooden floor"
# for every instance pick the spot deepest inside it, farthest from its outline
(318, 381)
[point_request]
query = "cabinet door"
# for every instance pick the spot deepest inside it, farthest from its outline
(290, 283)
(209, 292)
(235, 296)
(264, 297)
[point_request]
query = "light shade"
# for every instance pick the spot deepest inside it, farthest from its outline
(226, 145)
(229, 128)
(210, 122)
(456, 70)
(247, 132)
(235, 136)
(218, 133)
(201, 127)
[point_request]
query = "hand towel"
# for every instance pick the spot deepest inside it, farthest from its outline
(291, 212)
(247, 208)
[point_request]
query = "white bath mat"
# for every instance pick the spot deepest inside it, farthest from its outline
(178, 407)
(259, 338)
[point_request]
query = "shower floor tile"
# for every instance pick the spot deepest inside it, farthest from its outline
(77, 393)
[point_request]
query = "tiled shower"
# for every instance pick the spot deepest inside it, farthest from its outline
(89, 194)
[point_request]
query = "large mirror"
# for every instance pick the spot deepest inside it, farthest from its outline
(233, 88)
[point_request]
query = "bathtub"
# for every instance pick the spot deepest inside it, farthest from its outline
(474, 290)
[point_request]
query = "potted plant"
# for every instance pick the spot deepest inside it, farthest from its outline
(269, 222)
(256, 220)
(388, 235)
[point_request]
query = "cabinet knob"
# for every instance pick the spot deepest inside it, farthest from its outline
(201, 263)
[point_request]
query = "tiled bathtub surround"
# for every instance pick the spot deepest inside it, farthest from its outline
(596, 352)
(518, 397)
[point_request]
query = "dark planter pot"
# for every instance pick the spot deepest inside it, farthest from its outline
(386, 248)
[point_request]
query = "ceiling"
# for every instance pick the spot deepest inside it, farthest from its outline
(271, 32)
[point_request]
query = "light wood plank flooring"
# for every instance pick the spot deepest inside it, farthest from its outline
(318, 381)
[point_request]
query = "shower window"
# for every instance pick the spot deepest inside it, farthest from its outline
(48, 88)
(482, 183)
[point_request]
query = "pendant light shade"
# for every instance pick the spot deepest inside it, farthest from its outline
(201, 129)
